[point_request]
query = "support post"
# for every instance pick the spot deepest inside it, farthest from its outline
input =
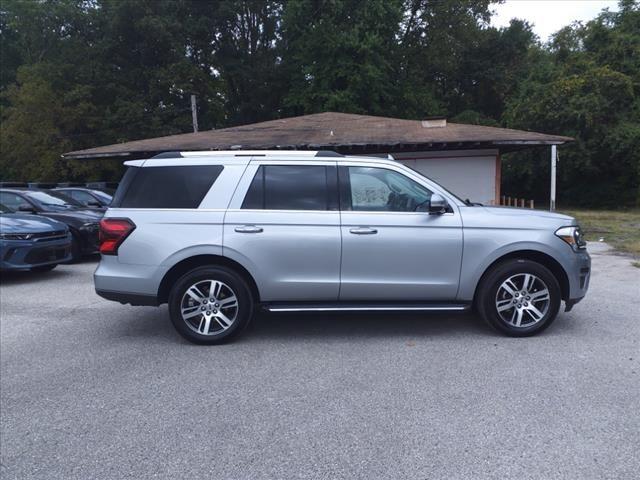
(194, 114)
(552, 199)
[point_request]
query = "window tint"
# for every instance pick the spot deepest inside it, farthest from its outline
(165, 187)
(13, 201)
(292, 187)
(379, 189)
(82, 197)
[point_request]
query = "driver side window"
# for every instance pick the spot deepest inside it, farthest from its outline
(380, 189)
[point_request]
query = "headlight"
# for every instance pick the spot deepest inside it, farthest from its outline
(573, 236)
(16, 236)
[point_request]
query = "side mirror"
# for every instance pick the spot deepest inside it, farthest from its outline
(438, 205)
(26, 208)
(94, 204)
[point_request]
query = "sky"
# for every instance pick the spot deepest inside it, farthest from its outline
(549, 16)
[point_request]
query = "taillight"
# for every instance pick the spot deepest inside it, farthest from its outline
(113, 231)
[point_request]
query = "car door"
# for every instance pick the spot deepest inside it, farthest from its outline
(392, 248)
(283, 225)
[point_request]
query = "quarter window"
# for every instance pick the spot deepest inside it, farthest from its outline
(292, 187)
(165, 187)
(380, 189)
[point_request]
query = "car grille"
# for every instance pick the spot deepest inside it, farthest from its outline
(39, 255)
(48, 236)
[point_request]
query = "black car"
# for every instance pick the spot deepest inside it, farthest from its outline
(88, 197)
(82, 222)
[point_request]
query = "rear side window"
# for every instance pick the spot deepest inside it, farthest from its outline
(293, 187)
(165, 187)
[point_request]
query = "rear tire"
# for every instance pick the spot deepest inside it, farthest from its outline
(519, 298)
(44, 268)
(210, 305)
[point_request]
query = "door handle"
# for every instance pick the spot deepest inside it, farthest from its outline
(248, 229)
(363, 231)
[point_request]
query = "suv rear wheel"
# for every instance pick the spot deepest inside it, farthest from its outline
(210, 305)
(519, 298)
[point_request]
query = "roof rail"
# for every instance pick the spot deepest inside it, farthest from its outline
(328, 153)
(168, 155)
(250, 153)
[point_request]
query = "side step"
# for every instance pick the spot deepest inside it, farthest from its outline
(366, 307)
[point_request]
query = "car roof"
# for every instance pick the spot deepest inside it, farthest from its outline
(280, 155)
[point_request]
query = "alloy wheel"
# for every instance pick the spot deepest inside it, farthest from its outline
(522, 300)
(209, 307)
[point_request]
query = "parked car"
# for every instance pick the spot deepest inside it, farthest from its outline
(88, 197)
(218, 234)
(31, 242)
(83, 223)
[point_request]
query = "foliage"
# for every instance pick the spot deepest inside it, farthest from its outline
(619, 228)
(81, 73)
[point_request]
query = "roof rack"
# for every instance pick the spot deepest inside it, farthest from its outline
(249, 153)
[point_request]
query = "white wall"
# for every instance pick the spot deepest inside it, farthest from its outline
(467, 173)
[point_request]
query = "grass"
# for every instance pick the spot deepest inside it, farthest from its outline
(619, 228)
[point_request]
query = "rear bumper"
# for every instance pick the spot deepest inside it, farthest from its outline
(135, 299)
(127, 283)
(26, 254)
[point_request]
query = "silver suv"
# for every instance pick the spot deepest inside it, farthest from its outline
(218, 234)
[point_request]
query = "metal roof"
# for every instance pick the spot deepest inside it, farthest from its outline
(342, 132)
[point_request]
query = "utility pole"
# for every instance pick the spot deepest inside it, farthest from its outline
(194, 114)
(554, 158)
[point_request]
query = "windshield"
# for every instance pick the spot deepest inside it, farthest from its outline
(53, 200)
(440, 185)
(5, 209)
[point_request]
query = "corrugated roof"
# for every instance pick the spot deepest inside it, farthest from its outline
(343, 132)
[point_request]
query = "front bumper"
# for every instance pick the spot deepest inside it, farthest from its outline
(579, 274)
(88, 236)
(26, 254)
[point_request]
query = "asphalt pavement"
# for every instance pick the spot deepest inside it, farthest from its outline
(90, 389)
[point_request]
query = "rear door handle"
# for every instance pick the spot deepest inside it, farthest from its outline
(363, 231)
(248, 229)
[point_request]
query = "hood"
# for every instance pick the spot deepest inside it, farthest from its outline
(22, 223)
(75, 218)
(513, 218)
(530, 213)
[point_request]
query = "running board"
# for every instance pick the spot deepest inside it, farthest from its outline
(364, 307)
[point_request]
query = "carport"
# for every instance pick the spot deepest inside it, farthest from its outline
(464, 158)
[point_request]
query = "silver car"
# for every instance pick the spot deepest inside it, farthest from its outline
(217, 235)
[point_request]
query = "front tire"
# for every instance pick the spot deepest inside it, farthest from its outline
(519, 298)
(210, 305)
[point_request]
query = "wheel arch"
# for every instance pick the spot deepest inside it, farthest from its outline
(189, 263)
(535, 256)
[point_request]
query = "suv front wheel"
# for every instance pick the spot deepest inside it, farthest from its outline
(519, 298)
(210, 305)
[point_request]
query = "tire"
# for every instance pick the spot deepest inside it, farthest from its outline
(44, 268)
(208, 323)
(501, 303)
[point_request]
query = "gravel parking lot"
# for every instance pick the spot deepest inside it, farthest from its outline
(93, 389)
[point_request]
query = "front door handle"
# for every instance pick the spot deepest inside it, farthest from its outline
(248, 229)
(363, 231)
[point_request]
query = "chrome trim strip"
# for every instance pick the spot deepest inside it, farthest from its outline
(363, 309)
